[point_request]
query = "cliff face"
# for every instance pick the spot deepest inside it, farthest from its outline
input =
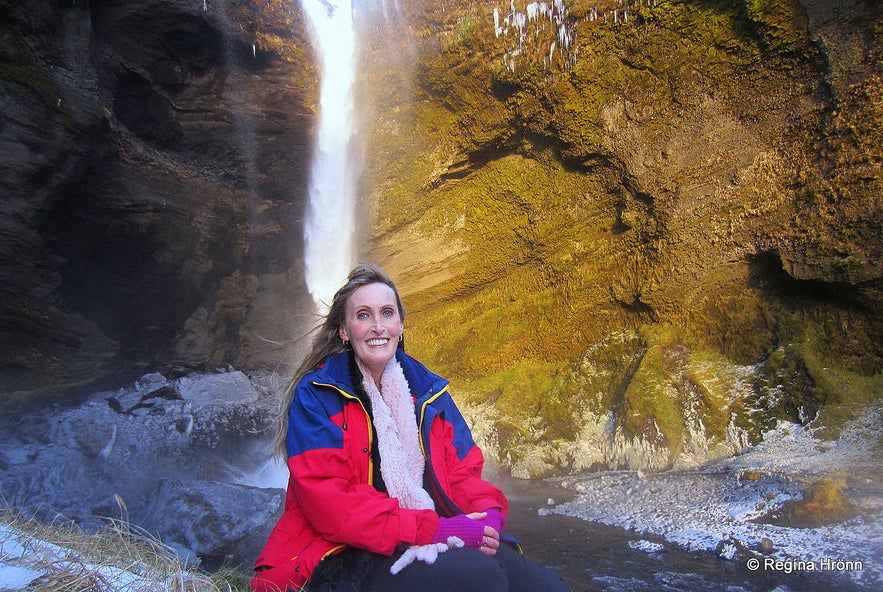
(153, 177)
(644, 248)
(633, 233)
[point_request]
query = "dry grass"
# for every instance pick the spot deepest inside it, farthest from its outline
(120, 557)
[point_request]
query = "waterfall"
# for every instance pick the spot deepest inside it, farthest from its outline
(328, 226)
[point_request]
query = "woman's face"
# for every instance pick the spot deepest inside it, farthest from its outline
(372, 325)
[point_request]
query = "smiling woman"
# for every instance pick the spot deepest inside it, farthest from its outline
(373, 326)
(385, 489)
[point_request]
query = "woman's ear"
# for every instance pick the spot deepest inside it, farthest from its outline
(342, 333)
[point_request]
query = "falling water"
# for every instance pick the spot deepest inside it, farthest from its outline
(328, 230)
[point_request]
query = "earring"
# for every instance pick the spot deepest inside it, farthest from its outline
(401, 337)
(346, 343)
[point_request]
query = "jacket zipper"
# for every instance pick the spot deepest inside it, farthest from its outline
(450, 506)
(347, 395)
(423, 417)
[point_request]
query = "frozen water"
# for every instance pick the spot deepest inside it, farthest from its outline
(719, 507)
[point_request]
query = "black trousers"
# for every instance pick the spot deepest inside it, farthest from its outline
(467, 570)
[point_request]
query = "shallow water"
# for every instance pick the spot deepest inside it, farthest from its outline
(595, 557)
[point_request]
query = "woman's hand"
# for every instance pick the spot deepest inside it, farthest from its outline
(490, 542)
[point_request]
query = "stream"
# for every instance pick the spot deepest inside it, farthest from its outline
(591, 556)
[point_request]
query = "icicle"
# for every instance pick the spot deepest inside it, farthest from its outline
(532, 11)
(520, 24)
(564, 37)
(189, 428)
(108, 448)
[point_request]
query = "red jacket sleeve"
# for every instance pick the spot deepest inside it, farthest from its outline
(461, 466)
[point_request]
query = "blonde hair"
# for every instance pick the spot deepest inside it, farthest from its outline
(326, 340)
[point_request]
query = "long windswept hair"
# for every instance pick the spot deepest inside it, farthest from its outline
(326, 339)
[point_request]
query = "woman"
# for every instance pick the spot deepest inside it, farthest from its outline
(385, 490)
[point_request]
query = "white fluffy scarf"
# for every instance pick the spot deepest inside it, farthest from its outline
(402, 461)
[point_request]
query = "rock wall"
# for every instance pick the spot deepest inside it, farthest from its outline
(153, 176)
(633, 232)
(658, 240)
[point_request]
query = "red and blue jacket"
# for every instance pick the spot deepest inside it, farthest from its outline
(331, 502)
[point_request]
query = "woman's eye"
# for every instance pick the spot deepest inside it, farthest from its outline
(362, 316)
(388, 312)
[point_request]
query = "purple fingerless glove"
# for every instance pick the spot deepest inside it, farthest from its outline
(495, 519)
(470, 531)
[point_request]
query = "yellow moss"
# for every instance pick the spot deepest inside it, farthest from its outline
(530, 193)
(822, 504)
(529, 396)
(844, 393)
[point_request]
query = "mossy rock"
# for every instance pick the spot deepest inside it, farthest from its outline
(640, 236)
(823, 503)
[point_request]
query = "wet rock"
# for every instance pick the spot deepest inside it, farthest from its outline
(91, 460)
(211, 518)
(130, 192)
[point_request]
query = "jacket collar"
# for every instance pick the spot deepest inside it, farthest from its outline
(423, 382)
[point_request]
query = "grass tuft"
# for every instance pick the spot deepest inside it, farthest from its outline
(118, 557)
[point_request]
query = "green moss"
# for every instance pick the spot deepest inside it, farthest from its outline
(524, 387)
(589, 262)
(605, 370)
(781, 25)
(650, 408)
(464, 29)
(738, 323)
(842, 394)
(822, 504)
(721, 387)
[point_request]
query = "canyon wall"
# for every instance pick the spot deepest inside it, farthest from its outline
(154, 167)
(632, 233)
(636, 234)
